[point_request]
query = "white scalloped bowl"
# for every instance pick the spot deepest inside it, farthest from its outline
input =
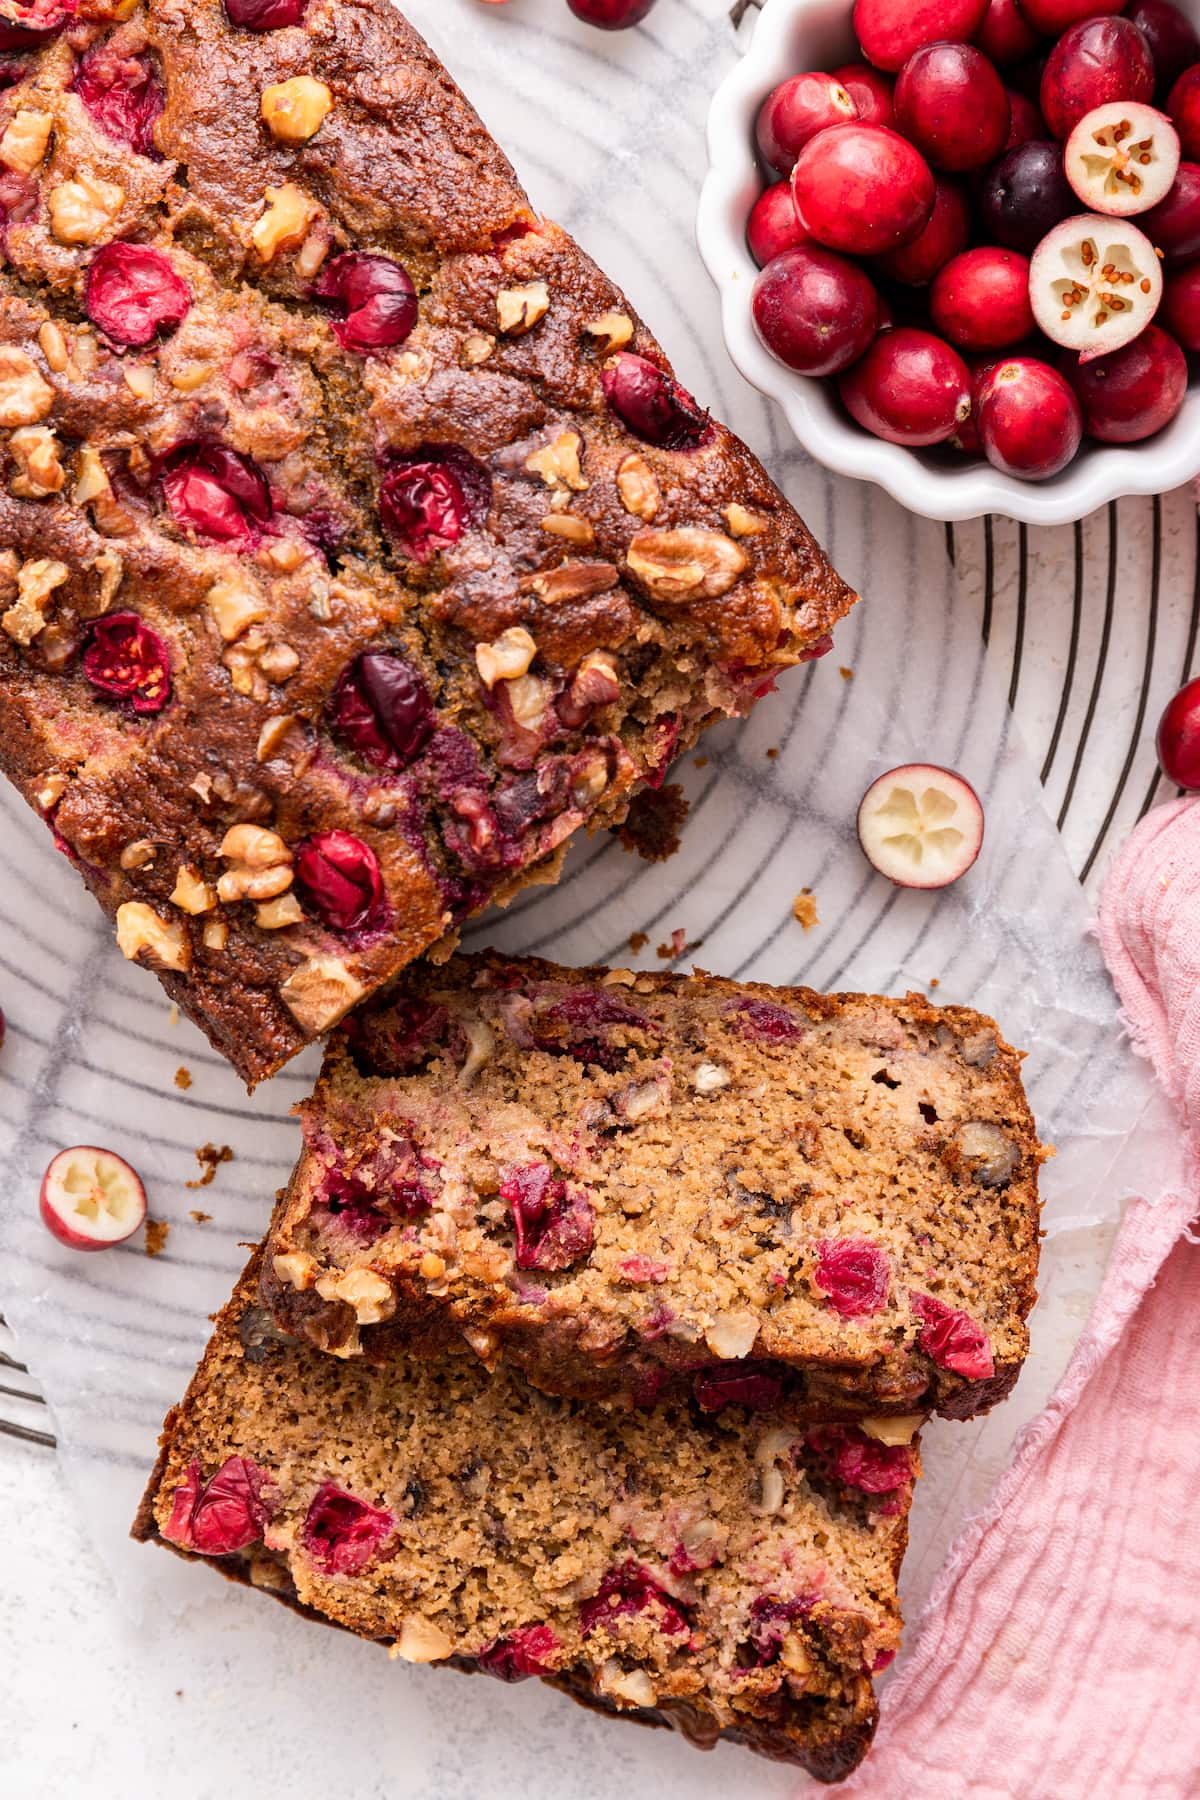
(816, 34)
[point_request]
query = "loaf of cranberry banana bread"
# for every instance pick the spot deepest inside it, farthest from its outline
(726, 1576)
(357, 544)
(659, 1185)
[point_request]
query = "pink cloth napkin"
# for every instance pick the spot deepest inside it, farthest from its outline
(1059, 1656)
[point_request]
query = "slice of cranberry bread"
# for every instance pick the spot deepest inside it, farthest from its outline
(656, 1184)
(729, 1577)
(358, 543)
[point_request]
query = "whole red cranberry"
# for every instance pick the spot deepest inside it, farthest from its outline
(1180, 308)
(264, 15)
(375, 301)
(24, 24)
(123, 94)
(1051, 17)
(953, 106)
(343, 1534)
(1173, 226)
(612, 15)
(862, 189)
(133, 294)
(629, 1589)
(909, 388)
(853, 1274)
(431, 499)
(748, 1384)
(952, 1338)
(1098, 60)
(554, 1225)
(890, 30)
(1029, 420)
(1133, 392)
(794, 112)
(527, 1651)
(1006, 36)
(980, 300)
(870, 91)
(1183, 105)
(215, 491)
(1172, 38)
(228, 1512)
(124, 660)
(1025, 194)
(652, 405)
(1025, 122)
(944, 234)
(340, 876)
(815, 311)
(381, 708)
(1179, 738)
(774, 225)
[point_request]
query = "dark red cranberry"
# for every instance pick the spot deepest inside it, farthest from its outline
(815, 311)
(1179, 738)
(943, 235)
(794, 112)
(554, 1224)
(1051, 17)
(653, 405)
(853, 1275)
(1025, 121)
(870, 91)
(381, 708)
(855, 1460)
(774, 224)
(953, 106)
(133, 294)
(764, 1021)
(1025, 194)
(125, 660)
(630, 1589)
(909, 388)
(1180, 309)
(952, 1338)
(400, 1038)
(226, 1513)
(1173, 226)
(25, 26)
(1006, 36)
(264, 15)
(580, 1024)
(431, 499)
(340, 876)
(1099, 59)
(769, 1619)
(123, 94)
(612, 15)
(14, 68)
(1028, 418)
(366, 1196)
(374, 299)
(1172, 38)
(890, 30)
(527, 1651)
(216, 491)
(343, 1534)
(862, 189)
(1133, 392)
(980, 300)
(1183, 105)
(747, 1384)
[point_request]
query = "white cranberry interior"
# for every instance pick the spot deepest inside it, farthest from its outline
(91, 1199)
(1122, 158)
(1094, 283)
(920, 825)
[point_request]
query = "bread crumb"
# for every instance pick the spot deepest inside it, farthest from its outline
(934, 982)
(804, 909)
(675, 947)
(201, 1218)
(157, 1233)
(846, 674)
(638, 941)
(183, 1077)
(654, 821)
(699, 762)
(210, 1159)
(772, 753)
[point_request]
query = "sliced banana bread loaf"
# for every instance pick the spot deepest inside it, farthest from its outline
(722, 1575)
(357, 543)
(654, 1185)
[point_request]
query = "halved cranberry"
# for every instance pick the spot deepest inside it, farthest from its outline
(123, 94)
(375, 301)
(652, 404)
(343, 1534)
(133, 294)
(764, 1020)
(24, 26)
(577, 1025)
(125, 660)
(554, 1224)
(366, 1198)
(381, 708)
(628, 1589)
(768, 1615)
(429, 500)
(853, 1275)
(264, 15)
(856, 1460)
(215, 491)
(401, 1038)
(223, 1514)
(524, 1652)
(738, 1384)
(952, 1338)
(340, 876)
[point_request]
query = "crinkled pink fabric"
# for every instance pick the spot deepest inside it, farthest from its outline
(1059, 1657)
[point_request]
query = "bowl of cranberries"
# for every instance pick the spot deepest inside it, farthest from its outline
(959, 242)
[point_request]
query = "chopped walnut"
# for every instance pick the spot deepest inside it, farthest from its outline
(421, 1641)
(710, 1078)
(111, 570)
(54, 347)
(216, 934)
(139, 379)
(25, 138)
(572, 581)
(81, 211)
(372, 1298)
(53, 787)
(638, 488)
(143, 936)
(279, 663)
(626, 1687)
(893, 1428)
(191, 893)
(686, 564)
(594, 683)
(558, 462)
(295, 1269)
(320, 992)
(528, 697)
(186, 376)
(295, 110)
(277, 915)
(36, 581)
(476, 347)
(35, 450)
(262, 864)
(235, 602)
(612, 331)
(743, 523)
(287, 214)
(519, 309)
(25, 398)
(508, 656)
(313, 251)
(574, 530)
(91, 477)
(139, 854)
(732, 1335)
(273, 735)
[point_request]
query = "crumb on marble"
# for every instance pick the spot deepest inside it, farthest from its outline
(157, 1233)
(201, 1218)
(804, 909)
(638, 941)
(210, 1159)
(846, 674)
(183, 1077)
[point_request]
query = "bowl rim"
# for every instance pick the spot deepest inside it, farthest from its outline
(1105, 472)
